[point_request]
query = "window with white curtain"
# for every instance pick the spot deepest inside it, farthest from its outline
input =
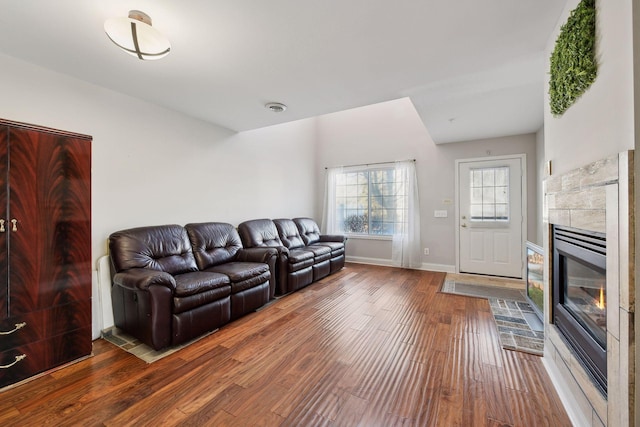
(379, 200)
(370, 201)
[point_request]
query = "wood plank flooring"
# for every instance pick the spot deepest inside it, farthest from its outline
(368, 346)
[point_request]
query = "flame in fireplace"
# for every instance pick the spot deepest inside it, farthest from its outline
(600, 301)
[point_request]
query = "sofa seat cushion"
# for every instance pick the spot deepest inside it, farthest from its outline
(192, 302)
(335, 246)
(299, 255)
(320, 253)
(238, 287)
(240, 271)
(199, 281)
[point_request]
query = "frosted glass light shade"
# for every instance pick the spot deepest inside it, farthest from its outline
(137, 37)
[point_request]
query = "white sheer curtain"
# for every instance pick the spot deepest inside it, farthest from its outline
(406, 248)
(331, 224)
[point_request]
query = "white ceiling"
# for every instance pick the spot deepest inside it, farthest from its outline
(473, 68)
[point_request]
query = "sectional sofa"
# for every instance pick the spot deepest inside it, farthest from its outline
(171, 283)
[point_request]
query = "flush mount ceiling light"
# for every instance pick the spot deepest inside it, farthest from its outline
(276, 107)
(137, 37)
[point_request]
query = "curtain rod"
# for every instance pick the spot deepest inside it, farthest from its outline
(373, 164)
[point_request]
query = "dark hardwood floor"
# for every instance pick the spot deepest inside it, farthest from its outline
(368, 346)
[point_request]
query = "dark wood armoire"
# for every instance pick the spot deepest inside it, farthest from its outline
(45, 249)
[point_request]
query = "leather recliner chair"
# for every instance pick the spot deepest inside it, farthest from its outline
(292, 240)
(311, 237)
(294, 269)
(217, 248)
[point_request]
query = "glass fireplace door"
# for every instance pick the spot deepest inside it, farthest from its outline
(585, 296)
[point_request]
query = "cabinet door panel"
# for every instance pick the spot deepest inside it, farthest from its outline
(49, 220)
(4, 295)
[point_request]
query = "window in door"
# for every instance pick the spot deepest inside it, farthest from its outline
(489, 195)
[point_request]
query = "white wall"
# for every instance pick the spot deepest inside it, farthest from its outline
(154, 166)
(600, 124)
(393, 131)
(540, 173)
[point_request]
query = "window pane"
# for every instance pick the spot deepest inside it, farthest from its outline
(376, 227)
(502, 212)
(502, 176)
(476, 178)
(488, 195)
(390, 215)
(387, 228)
(488, 177)
(476, 212)
(501, 195)
(376, 202)
(363, 202)
(488, 212)
(377, 215)
(387, 189)
(363, 178)
(476, 196)
(389, 202)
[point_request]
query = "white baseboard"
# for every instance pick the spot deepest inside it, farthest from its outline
(388, 263)
(370, 261)
(574, 412)
(445, 268)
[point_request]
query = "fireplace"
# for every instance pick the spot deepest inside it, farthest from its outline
(579, 297)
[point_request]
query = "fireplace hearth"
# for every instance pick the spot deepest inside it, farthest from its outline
(579, 297)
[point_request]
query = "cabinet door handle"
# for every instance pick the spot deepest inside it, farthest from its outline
(18, 358)
(18, 326)
(14, 223)
(2, 230)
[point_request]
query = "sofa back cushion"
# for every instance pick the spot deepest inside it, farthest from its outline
(213, 243)
(308, 229)
(259, 233)
(163, 248)
(289, 233)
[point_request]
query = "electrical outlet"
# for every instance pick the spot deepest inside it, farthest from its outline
(426, 251)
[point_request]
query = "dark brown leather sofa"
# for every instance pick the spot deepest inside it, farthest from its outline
(168, 289)
(304, 255)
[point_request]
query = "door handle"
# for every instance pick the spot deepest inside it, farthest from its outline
(464, 226)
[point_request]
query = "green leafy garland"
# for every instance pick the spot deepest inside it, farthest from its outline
(573, 61)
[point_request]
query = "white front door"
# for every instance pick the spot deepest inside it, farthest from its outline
(490, 216)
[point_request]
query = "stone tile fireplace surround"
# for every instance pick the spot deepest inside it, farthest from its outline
(597, 197)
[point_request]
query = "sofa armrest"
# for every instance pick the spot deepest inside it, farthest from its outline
(268, 256)
(258, 254)
(141, 278)
(332, 238)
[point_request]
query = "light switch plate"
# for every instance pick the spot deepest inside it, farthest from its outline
(440, 214)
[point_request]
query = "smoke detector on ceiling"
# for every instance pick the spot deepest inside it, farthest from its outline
(276, 107)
